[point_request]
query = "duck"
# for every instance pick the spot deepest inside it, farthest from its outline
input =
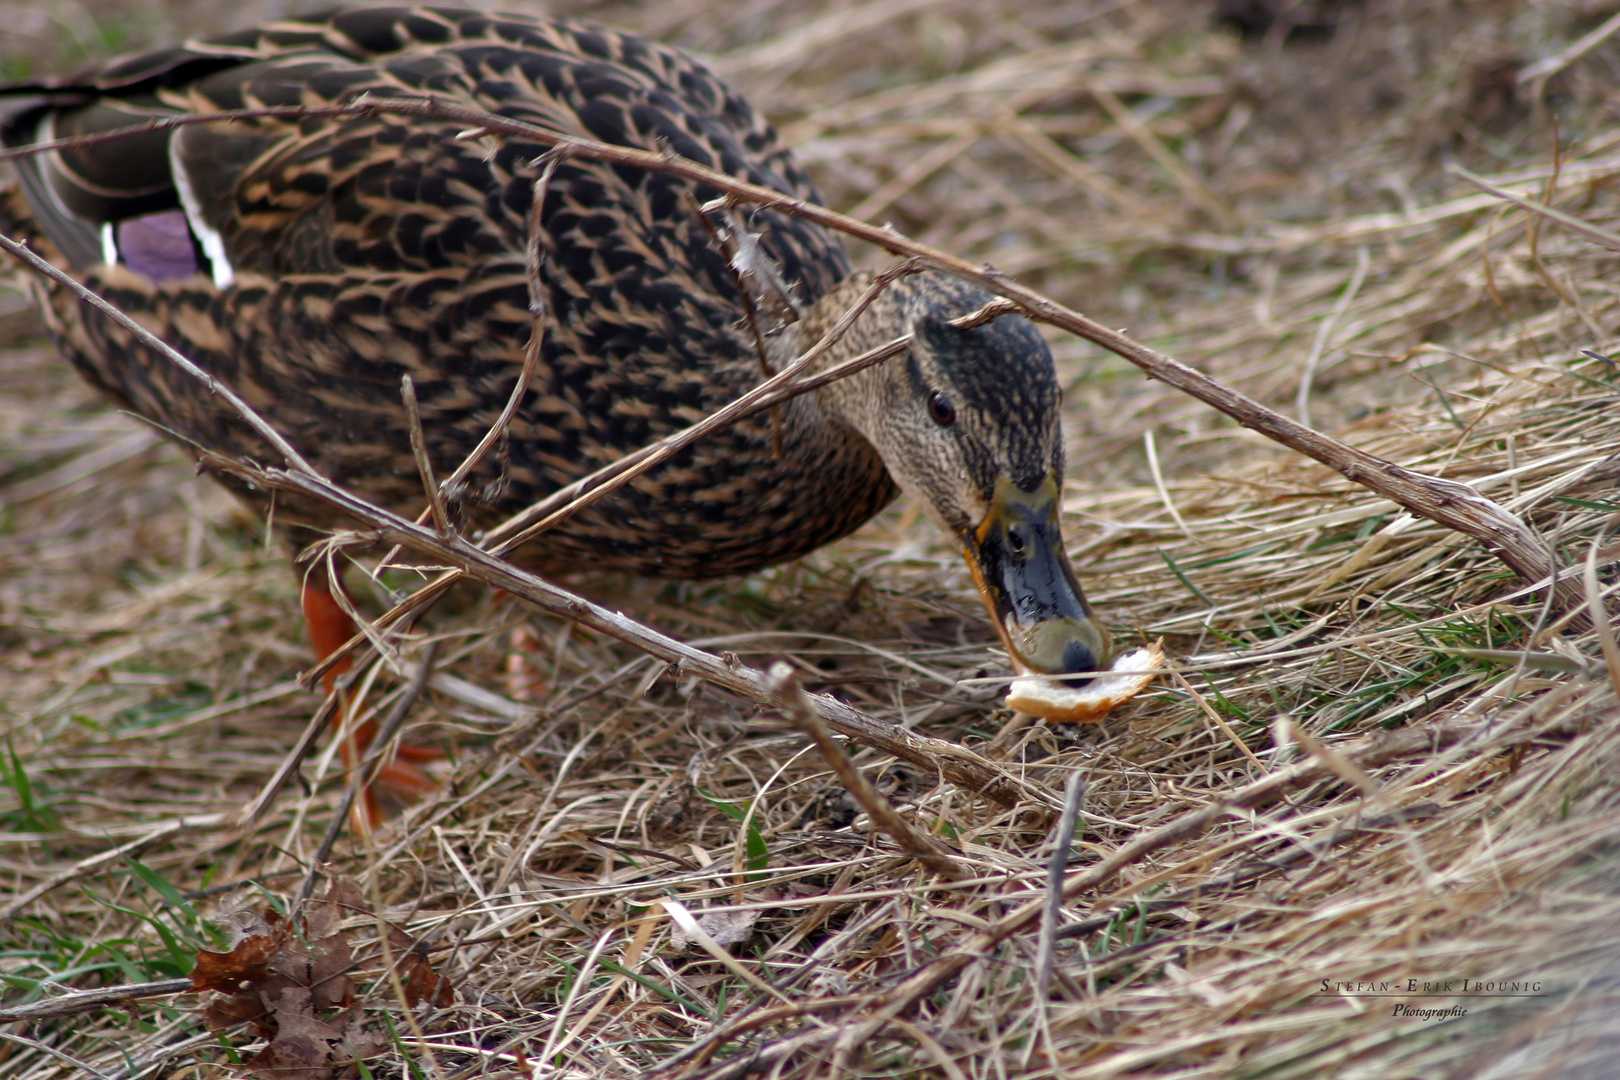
(310, 262)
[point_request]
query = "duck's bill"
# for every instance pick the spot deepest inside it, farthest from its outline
(1017, 558)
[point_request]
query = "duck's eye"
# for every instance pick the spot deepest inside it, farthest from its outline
(941, 409)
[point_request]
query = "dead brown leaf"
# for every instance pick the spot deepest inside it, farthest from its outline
(291, 981)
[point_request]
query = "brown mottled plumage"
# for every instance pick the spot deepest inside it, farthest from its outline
(311, 263)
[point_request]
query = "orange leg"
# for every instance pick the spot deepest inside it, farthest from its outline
(400, 781)
(524, 680)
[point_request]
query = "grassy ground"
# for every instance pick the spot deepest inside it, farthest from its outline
(1267, 202)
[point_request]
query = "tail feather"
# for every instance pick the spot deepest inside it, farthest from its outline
(37, 214)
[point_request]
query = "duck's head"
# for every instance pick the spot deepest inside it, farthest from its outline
(967, 422)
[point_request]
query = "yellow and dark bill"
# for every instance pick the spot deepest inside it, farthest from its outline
(1017, 558)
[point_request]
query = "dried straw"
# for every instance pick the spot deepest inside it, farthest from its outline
(1426, 791)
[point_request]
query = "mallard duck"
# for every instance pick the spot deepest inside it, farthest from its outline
(310, 263)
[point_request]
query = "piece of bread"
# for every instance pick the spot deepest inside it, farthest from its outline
(1056, 703)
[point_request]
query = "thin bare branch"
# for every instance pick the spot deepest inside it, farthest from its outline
(901, 998)
(956, 763)
(537, 332)
(366, 775)
(424, 467)
(82, 1001)
(1074, 794)
(288, 768)
(989, 313)
(619, 472)
(914, 842)
(518, 530)
(1453, 505)
(26, 255)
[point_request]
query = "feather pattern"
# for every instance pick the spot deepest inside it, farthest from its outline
(311, 262)
(335, 256)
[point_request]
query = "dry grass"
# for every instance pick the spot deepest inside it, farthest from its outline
(1252, 207)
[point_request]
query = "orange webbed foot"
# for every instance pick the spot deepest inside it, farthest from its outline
(400, 781)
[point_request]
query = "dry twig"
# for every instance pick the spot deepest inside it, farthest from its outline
(919, 845)
(1453, 505)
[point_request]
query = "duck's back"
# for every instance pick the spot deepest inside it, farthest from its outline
(312, 262)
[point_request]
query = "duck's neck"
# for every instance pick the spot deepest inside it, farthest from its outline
(857, 400)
